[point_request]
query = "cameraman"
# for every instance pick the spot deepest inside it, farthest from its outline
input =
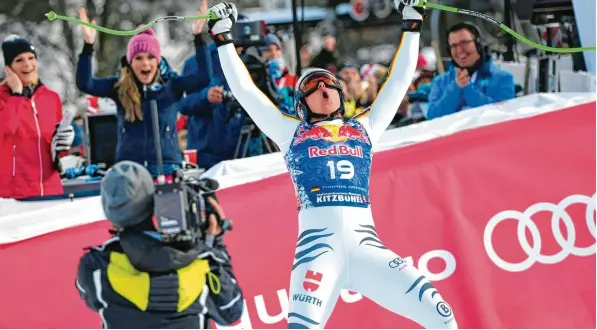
(135, 280)
(215, 120)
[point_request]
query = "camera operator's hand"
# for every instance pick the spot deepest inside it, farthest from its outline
(215, 95)
(226, 15)
(214, 228)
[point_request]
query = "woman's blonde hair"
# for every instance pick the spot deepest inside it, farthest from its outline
(129, 95)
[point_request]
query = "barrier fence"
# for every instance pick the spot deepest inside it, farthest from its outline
(501, 218)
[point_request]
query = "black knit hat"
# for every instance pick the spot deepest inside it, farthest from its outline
(13, 46)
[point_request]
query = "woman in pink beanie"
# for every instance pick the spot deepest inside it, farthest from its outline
(142, 55)
(144, 77)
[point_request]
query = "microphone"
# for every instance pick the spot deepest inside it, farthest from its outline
(205, 185)
(211, 184)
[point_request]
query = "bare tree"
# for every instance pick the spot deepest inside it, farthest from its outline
(59, 43)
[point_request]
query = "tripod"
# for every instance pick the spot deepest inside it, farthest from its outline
(250, 130)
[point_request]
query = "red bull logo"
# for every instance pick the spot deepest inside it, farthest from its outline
(332, 133)
(351, 133)
(315, 133)
(312, 281)
(335, 150)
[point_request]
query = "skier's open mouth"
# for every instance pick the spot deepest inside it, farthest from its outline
(325, 95)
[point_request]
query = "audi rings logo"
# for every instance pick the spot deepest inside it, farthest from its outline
(525, 221)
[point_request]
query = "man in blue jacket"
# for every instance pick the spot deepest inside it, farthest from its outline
(473, 79)
(214, 125)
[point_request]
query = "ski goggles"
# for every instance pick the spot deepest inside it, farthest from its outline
(311, 83)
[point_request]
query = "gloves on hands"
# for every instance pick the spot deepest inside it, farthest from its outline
(226, 15)
(408, 10)
(61, 140)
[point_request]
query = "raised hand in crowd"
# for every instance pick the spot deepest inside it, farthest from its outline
(372, 87)
(200, 23)
(89, 34)
(13, 81)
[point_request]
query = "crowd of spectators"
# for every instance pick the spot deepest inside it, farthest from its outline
(198, 112)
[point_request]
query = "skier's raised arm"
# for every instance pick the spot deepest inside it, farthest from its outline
(272, 121)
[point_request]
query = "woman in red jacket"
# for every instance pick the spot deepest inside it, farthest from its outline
(29, 136)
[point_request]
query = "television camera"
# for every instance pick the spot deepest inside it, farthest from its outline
(249, 36)
(181, 208)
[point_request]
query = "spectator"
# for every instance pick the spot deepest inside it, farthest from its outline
(30, 138)
(78, 146)
(141, 81)
(363, 92)
(380, 74)
(472, 80)
(421, 87)
(214, 121)
(350, 105)
(414, 105)
(272, 49)
(328, 56)
(306, 56)
(285, 81)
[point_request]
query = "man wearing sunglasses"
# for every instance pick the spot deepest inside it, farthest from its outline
(329, 160)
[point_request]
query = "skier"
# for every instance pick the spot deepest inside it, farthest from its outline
(329, 160)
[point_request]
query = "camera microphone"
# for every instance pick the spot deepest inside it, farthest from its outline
(211, 184)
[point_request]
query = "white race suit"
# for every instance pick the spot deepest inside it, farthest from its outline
(329, 163)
